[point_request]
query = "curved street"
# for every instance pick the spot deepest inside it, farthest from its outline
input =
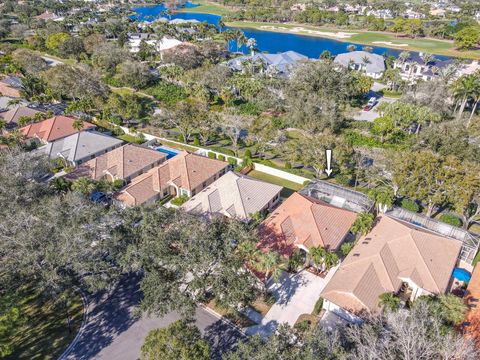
(113, 332)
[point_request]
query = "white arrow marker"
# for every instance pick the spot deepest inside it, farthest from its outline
(328, 154)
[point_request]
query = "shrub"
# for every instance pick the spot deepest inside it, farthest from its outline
(232, 161)
(410, 205)
(303, 326)
(221, 157)
(212, 155)
(318, 306)
(346, 248)
(167, 93)
(451, 220)
(181, 138)
(180, 200)
(288, 165)
(117, 184)
(196, 141)
(342, 179)
(248, 154)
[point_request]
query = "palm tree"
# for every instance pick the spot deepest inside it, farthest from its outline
(3, 125)
(427, 58)
(84, 186)
(316, 255)
(272, 264)
(249, 252)
(351, 47)
(383, 198)
(475, 95)
(13, 102)
(221, 25)
(330, 260)
(252, 44)
(452, 308)
(363, 223)
(404, 56)
(463, 89)
(229, 35)
(77, 124)
(389, 301)
(241, 39)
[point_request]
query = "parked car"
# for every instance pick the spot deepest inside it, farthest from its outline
(371, 103)
(100, 198)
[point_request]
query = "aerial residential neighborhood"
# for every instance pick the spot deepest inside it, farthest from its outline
(239, 180)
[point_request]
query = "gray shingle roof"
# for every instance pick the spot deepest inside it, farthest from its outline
(375, 63)
(233, 195)
(283, 61)
(81, 146)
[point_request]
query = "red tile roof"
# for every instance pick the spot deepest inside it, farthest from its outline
(472, 299)
(187, 171)
(52, 129)
(302, 220)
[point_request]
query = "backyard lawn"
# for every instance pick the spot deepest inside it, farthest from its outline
(289, 187)
(207, 7)
(42, 330)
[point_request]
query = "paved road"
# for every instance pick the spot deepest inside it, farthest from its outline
(113, 332)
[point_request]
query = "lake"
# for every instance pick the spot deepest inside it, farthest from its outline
(267, 41)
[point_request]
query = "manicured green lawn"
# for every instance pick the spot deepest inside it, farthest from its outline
(289, 187)
(434, 46)
(207, 7)
(128, 138)
(42, 332)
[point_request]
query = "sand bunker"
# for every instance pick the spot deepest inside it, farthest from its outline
(299, 29)
(389, 43)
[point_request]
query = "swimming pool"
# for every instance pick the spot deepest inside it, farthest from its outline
(167, 151)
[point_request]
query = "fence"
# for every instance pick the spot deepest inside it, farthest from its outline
(470, 241)
(280, 173)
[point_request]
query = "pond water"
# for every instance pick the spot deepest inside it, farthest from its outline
(267, 41)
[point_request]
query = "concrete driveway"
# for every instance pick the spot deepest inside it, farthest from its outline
(372, 114)
(296, 294)
(113, 332)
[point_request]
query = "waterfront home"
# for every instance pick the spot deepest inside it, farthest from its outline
(123, 163)
(12, 116)
(276, 64)
(395, 257)
(183, 175)
(304, 222)
(82, 146)
(372, 65)
(52, 129)
(235, 196)
(420, 66)
(158, 44)
(380, 13)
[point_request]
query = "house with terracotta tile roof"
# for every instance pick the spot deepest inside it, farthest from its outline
(395, 257)
(305, 222)
(123, 163)
(183, 175)
(472, 299)
(234, 196)
(12, 116)
(52, 129)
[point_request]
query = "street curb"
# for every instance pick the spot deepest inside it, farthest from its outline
(225, 320)
(82, 327)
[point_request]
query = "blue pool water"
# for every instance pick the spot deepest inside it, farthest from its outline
(268, 41)
(167, 151)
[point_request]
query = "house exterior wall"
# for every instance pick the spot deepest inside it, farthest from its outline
(344, 314)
